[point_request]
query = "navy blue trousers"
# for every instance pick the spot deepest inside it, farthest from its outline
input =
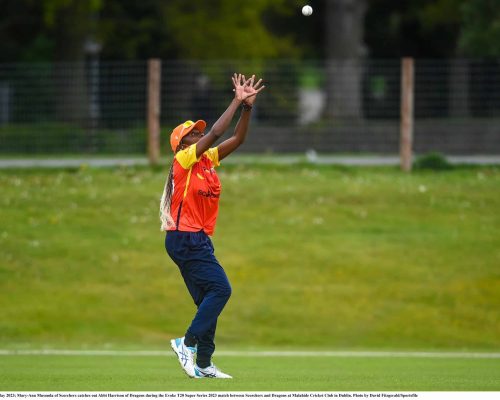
(193, 252)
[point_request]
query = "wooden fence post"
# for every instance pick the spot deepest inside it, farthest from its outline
(406, 132)
(154, 98)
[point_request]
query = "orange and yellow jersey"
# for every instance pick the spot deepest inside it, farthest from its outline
(196, 190)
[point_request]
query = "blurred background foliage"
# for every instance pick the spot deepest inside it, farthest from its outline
(55, 30)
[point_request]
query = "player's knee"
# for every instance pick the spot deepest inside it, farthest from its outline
(225, 291)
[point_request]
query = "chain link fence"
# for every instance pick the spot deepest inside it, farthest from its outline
(342, 106)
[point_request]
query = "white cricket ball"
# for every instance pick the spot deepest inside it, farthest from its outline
(307, 10)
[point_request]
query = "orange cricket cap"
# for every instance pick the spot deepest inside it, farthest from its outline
(183, 129)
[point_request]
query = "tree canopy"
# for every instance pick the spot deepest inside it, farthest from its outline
(480, 34)
(38, 30)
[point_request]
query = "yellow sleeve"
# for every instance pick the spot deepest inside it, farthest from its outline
(187, 157)
(213, 155)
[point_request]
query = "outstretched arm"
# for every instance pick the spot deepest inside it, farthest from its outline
(240, 132)
(225, 119)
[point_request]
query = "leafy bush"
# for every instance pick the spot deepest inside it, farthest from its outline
(432, 161)
(59, 138)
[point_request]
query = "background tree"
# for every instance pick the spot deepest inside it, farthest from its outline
(224, 29)
(344, 50)
(72, 24)
(135, 30)
(421, 29)
(480, 29)
(46, 30)
(22, 32)
(219, 29)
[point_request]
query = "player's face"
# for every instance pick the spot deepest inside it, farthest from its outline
(192, 137)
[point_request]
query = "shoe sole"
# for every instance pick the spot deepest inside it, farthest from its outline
(174, 347)
(211, 377)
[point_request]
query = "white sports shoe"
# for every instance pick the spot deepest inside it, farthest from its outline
(210, 372)
(185, 355)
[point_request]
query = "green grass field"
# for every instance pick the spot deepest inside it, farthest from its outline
(318, 257)
(85, 373)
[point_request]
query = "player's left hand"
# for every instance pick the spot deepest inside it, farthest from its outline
(252, 89)
(245, 88)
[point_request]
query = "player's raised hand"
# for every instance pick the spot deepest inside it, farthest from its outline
(252, 89)
(239, 86)
(245, 88)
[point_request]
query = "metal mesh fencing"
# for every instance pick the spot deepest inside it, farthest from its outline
(329, 106)
(73, 108)
(457, 106)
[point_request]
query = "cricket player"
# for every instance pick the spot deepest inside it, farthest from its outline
(188, 212)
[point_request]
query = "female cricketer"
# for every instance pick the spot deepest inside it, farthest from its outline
(188, 212)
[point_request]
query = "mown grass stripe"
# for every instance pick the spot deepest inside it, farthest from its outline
(237, 353)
